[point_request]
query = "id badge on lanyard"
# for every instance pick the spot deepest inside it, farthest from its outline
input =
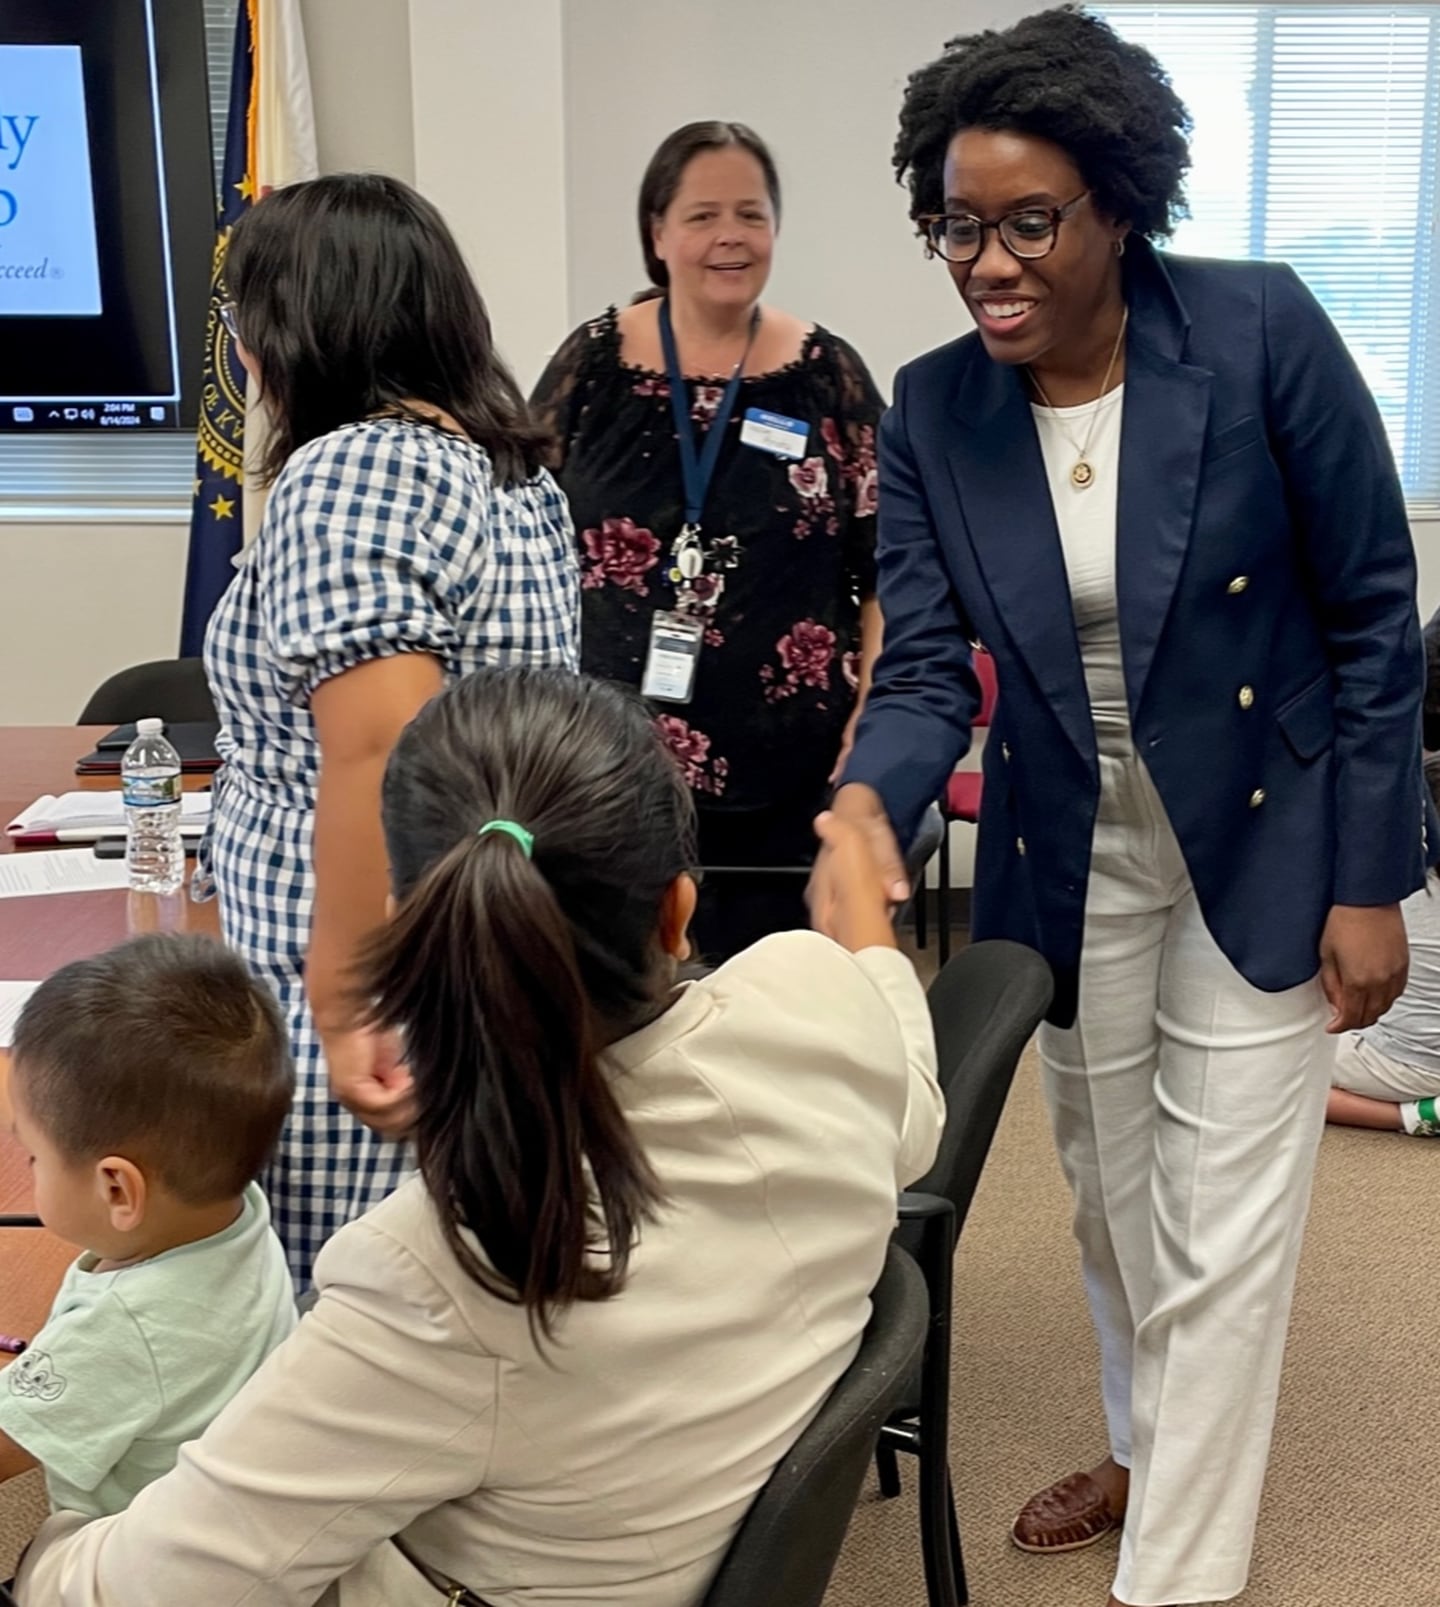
(674, 657)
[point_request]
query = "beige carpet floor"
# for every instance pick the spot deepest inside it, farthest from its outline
(1351, 1513)
(1353, 1496)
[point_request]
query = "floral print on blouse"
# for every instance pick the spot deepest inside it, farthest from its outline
(778, 673)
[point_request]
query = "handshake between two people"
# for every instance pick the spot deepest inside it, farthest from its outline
(858, 879)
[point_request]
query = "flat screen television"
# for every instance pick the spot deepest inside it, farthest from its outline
(107, 213)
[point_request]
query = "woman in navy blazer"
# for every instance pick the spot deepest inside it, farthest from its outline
(1158, 492)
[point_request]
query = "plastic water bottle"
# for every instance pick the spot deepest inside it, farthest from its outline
(150, 786)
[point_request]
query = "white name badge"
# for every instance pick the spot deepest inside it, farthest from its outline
(773, 432)
(670, 665)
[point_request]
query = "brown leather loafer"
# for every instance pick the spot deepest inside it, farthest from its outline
(1067, 1516)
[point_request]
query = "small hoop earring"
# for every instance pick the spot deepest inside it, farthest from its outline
(1120, 246)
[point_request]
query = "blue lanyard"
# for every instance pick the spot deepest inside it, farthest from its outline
(698, 469)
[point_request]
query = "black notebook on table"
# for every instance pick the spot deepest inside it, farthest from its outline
(193, 741)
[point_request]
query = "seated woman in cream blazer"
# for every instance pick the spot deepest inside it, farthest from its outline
(557, 1366)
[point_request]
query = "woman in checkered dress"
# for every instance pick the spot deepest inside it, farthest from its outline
(411, 536)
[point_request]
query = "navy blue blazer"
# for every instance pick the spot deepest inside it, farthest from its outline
(1262, 543)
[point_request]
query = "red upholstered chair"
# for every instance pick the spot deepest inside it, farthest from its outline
(961, 799)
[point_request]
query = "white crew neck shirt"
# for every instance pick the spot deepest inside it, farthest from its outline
(1087, 521)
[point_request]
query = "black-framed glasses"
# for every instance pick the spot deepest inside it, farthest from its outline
(1029, 233)
(229, 316)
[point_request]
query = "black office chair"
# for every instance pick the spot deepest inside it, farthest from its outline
(785, 1550)
(985, 1004)
(171, 689)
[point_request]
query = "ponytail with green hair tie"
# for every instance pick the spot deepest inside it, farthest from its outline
(513, 829)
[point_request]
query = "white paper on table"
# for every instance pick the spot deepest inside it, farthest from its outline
(12, 1000)
(61, 870)
(99, 814)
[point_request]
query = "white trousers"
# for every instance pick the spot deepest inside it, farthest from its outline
(1187, 1107)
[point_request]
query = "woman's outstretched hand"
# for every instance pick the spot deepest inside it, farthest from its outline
(859, 875)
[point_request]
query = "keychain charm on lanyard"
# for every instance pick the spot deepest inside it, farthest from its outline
(697, 471)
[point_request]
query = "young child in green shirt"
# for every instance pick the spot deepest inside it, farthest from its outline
(148, 1086)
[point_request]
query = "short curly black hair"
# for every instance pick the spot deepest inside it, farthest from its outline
(1068, 77)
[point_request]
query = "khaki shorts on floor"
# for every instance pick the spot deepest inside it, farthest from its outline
(1361, 1068)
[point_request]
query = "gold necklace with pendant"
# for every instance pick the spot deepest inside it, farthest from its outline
(1083, 475)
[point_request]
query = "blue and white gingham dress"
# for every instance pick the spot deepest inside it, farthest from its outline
(382, 537)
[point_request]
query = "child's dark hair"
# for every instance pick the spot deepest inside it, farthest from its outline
(166, 1051)
(1065, 76)
(508, 975)
(354, 298)
(667, 169)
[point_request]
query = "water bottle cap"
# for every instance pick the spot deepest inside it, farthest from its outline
(149, 728)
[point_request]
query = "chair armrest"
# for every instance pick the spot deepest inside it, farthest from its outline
(914, 1207)
(931, 1241)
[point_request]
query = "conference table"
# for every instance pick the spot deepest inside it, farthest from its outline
(38, 935)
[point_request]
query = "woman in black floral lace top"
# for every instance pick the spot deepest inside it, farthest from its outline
(792, 630)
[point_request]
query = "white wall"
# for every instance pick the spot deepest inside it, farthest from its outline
(360, 73)
(1427, 553)
(78, 603)
(489, 121)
